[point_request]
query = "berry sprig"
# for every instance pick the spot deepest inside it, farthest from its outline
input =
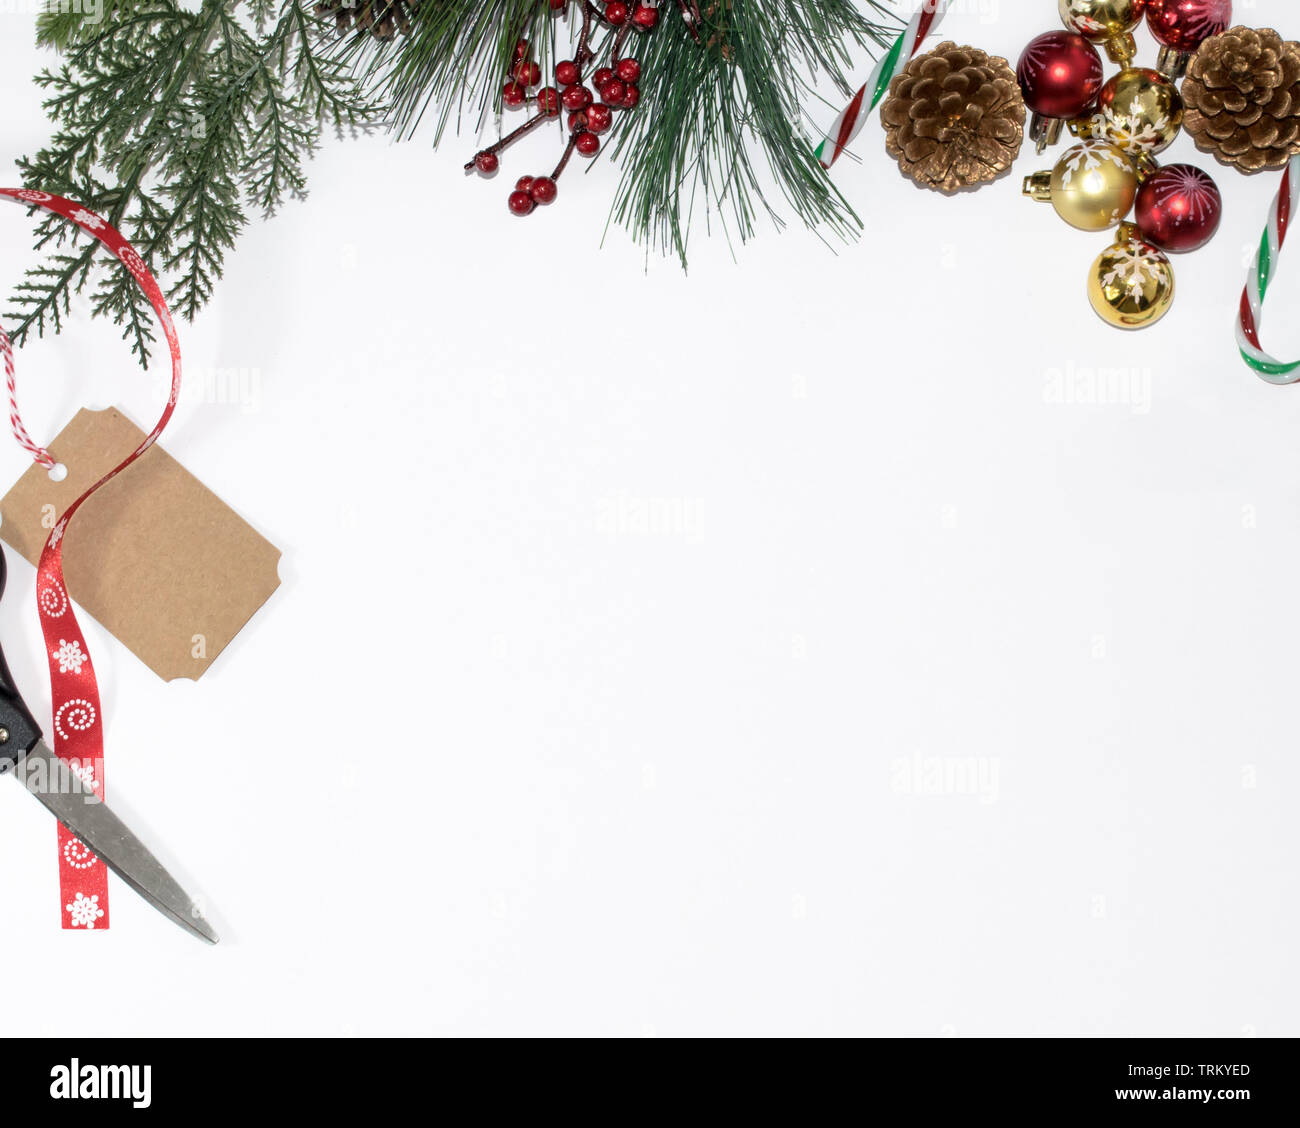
(590, 113)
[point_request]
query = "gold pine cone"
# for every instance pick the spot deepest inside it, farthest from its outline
(1243, 98)
(954, 118)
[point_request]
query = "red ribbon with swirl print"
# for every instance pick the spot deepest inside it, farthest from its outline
(78, 718)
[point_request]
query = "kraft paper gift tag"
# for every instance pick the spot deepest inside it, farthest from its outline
(155, 556)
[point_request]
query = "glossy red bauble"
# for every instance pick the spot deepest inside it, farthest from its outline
(521, 203)
(1179, 208)
(1185, 24)
(1060, 75)
(588, 144)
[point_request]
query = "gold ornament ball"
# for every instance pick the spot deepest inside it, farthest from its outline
(1131, 285)
(1093, 186)
(1139, 110)
(1106, 21)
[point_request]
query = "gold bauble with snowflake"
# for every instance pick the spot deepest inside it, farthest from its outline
(1139, 110)
(1093, 186)
(1132, 283)
(1110, 22)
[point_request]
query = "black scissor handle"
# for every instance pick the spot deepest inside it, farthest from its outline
(19, 731)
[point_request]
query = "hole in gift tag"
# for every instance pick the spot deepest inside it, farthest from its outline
(58, 472)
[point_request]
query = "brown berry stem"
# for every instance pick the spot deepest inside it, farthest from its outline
(584, 53)
(590, 11)
(509, 139)
(564, 160)
(691, 17)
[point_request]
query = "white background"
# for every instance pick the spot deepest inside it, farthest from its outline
(496, 759)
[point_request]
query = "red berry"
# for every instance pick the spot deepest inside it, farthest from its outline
(521, 203)
(556, 5)
(521, 50)
(600, 77)
(632, 97)
(548, 101)
(629, 70)
(487, 163)
(567, 72)
(646, 17)
(613, 92)
(512, 94)
(544, 190)
(577, 120)
(616, 13)
(528, 73)
(524, 184)
(577, 98)
(599, 117)
(588, 144)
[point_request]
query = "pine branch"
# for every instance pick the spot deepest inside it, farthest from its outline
(721, 116)
(724, 91)
(168, 123)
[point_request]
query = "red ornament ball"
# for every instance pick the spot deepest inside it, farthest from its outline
(1060, 75)
(487, 163)
(646, 17)
(577, 98)
(548, 101)
(567, 72)
(628, 70)
(1179, 208)
(543, 190)
(521, 203)
(599, 117)
(1185, 24)
(588, 144)
(512, 94)
(616, 13)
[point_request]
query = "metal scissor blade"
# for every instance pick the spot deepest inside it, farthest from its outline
(110, 840)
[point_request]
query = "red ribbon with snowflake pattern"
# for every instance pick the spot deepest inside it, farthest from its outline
(78, 719)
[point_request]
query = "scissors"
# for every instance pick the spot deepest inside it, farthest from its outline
(52, 781)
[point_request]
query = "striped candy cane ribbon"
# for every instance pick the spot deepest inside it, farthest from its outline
(74, 690)
(849, 124)
(1262, 271)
